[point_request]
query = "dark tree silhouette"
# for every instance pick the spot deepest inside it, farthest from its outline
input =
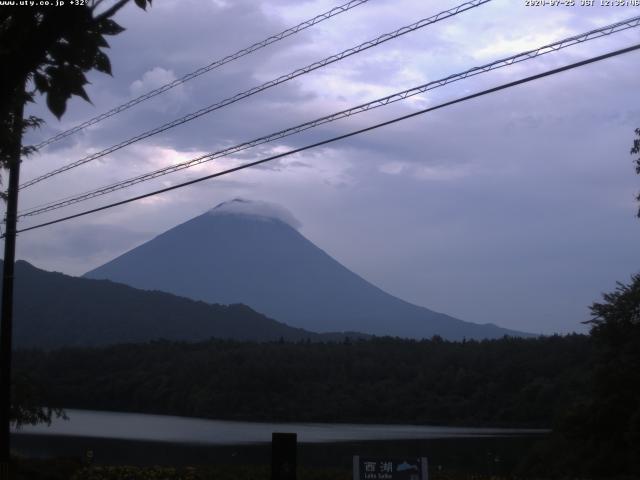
(49, 49)
(505, 382)
(46, 49)
(615, 409)
(599, 436)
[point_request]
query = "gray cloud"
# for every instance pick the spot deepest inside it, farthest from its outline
(516, 208)
(73, 248)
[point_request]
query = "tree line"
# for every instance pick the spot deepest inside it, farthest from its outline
(510, 382)
(585, 387)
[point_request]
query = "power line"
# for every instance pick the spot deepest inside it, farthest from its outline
(342, 137)
(202, 70)
(552, 47)
(272, 83)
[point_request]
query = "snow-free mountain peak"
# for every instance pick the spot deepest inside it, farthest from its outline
(249, 252)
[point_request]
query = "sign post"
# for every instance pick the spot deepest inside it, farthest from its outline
(283, 456)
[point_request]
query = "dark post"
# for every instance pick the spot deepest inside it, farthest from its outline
(283, 456)
(7, 289)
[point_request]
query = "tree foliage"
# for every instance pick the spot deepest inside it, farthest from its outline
(48, 50)
(600, 434)
(26, 407)
(615, 408)
(508, 382)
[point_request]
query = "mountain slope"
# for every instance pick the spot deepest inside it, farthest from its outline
(54, 310)
(249, 252)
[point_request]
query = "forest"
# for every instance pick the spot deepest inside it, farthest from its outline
(586, 388)
(508, 382)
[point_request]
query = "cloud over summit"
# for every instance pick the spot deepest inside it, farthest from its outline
(254, 208)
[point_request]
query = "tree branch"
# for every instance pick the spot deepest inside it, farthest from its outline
(111, 11)
(96, 4)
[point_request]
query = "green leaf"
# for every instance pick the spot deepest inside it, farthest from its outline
(41, 82)
(74, 81)
(109, 27)
(32, 122)
(57, 103)
(65, 81)
(80, 91)
(102, 63)
(100, 40)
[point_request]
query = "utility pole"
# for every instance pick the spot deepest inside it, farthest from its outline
(6, 326)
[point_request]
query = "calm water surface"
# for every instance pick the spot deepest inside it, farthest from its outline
(133, 426)
(135, 439)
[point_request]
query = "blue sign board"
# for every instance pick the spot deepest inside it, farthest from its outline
(366, 468)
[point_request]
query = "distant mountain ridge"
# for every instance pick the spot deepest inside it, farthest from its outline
(252, 253)
(54, 310)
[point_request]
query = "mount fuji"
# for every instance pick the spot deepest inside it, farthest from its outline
(252, 252)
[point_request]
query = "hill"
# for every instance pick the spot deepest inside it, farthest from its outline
(53, 310)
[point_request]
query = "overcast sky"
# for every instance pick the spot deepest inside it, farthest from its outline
(516, 208)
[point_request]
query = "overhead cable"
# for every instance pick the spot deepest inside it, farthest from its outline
(272, 83)
(340, 137)
(207, 68)
(530, 54)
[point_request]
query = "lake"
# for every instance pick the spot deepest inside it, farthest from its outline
(128, 438)
(163, 428)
